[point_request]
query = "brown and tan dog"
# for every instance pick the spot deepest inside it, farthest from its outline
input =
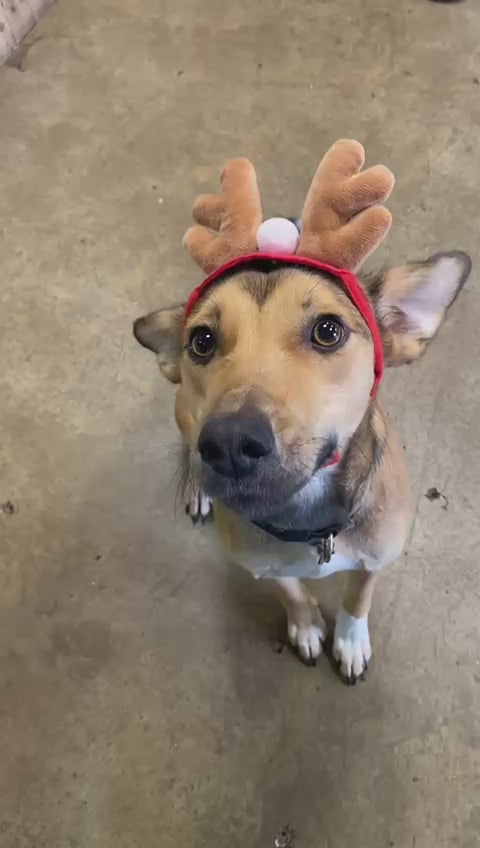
(275, 363)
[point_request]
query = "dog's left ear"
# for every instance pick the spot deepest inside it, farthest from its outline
(161, 332)
(411, 302)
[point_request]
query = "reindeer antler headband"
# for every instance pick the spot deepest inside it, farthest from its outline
(341, 224)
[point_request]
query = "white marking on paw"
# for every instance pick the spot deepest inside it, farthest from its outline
(351, 644)
(307, 632)
(197, 504)
(205, 505)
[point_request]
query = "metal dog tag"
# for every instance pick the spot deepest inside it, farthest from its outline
(326, 549)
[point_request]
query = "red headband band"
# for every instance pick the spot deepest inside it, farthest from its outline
(349, 282)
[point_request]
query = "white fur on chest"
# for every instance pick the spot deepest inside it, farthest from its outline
(289, 559)
(265, 556)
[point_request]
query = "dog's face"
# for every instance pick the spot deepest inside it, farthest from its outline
(276, 370)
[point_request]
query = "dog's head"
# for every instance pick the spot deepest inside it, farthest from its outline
(276, 367)
(275, 361)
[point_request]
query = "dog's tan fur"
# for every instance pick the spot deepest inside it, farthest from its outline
(263, 353)
(264, 358)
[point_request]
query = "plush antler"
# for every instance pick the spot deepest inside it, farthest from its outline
(341, 223)
(235, 214)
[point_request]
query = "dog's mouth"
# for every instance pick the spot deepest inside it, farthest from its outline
(255, 498)
(268, 487)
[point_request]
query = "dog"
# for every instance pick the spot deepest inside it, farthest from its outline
(283, 433)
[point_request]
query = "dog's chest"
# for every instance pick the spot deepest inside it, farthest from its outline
(291, 559)
(266, 557)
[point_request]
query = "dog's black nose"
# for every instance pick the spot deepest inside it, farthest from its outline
(233, 444)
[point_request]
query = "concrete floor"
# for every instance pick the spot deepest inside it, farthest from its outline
(143, 701)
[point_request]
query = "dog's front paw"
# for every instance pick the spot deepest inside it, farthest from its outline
(306, 632)
(197, 505)
(351, 646)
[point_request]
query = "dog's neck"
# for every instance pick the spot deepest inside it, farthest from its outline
(318, 504)
(335, 493)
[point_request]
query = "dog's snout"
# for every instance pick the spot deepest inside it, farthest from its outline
(233, 444)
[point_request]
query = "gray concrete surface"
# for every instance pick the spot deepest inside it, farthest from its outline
(142, 701)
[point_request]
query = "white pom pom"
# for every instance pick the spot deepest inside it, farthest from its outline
(277, 235)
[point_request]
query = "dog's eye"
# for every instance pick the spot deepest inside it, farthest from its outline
(328, 332)
(201, 345)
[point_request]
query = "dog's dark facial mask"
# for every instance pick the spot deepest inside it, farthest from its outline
(276, 369)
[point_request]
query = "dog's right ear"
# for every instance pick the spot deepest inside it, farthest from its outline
(161, 332)
(411, 302)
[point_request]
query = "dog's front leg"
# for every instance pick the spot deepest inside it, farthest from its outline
(306, 627)
(351, 642)
(197, 504)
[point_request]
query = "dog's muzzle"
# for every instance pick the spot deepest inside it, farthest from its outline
(233, 445)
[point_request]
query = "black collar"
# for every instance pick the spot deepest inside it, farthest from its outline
(321, 539)
(309, 537)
